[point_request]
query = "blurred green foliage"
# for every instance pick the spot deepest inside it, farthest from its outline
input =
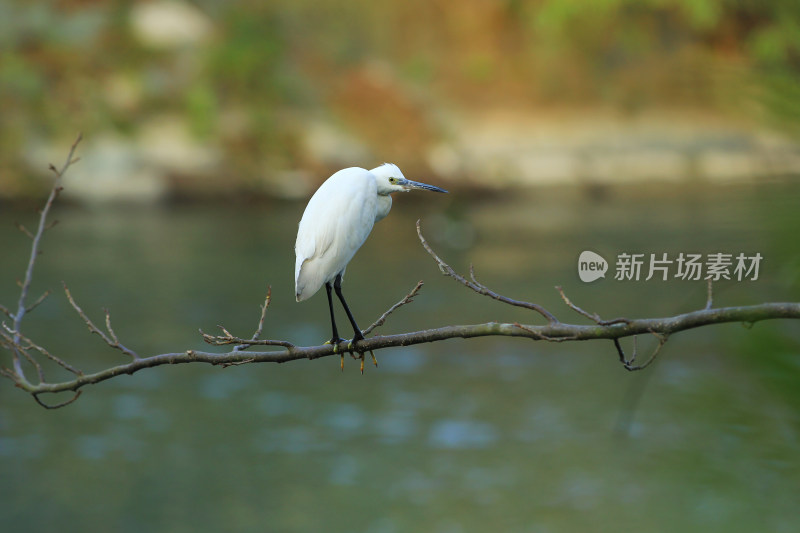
(72, 65)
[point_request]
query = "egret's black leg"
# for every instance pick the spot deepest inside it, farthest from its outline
(335, 340)
(337, 285)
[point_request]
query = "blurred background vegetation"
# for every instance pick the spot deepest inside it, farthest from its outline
(193, 99)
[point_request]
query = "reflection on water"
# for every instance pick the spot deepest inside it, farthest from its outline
(479, 435)
(461, 434)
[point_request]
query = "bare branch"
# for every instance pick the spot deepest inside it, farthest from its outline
(227, 338)
(110, 339)
(37, 237)
(664, 326)
(58, 405)
(38, 301)
(474, 285)
(592, 316)
(264, 308)
(628, 363)
(12, 341)
(24, 230)
(260, 327)
(482, 289)
(382, 319)
(30, 345)
(709, 295)
(116, 344)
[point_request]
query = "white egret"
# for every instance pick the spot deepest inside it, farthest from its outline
(335, 224)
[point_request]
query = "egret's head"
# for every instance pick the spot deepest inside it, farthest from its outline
(390, 179)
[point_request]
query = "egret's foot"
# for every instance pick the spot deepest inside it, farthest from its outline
(361, 358)
(357, 337)
(335, 342)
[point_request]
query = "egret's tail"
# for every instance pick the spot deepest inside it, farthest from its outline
(305, 285)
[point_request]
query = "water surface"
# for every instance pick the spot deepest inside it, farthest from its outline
(483, 435)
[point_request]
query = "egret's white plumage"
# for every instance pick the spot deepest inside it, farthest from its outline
(336, 222)
(339, 218)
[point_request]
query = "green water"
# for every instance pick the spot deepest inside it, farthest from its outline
(483, 435)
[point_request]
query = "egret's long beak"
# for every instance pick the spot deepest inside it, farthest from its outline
(408, 185)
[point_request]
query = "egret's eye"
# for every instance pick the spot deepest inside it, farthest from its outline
(392, 180)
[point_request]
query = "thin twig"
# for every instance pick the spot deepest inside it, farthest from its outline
(264, 307)
(260, 326)
(7, 372)
(58, 405)
(24, 230)
(483, 289)
(474, 285)
(32, 345)
(38, 301)
(12, 340)
(116, 344)
(709, 295)
(628, 363)
(227, 339)
(382, 319)
(25, 285)
(111, 340)
(592, 316)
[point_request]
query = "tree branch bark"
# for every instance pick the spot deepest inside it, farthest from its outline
(555, 332)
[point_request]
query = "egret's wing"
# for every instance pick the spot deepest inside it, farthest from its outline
(335, 224)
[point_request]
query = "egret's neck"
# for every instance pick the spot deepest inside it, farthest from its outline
(384, 205)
